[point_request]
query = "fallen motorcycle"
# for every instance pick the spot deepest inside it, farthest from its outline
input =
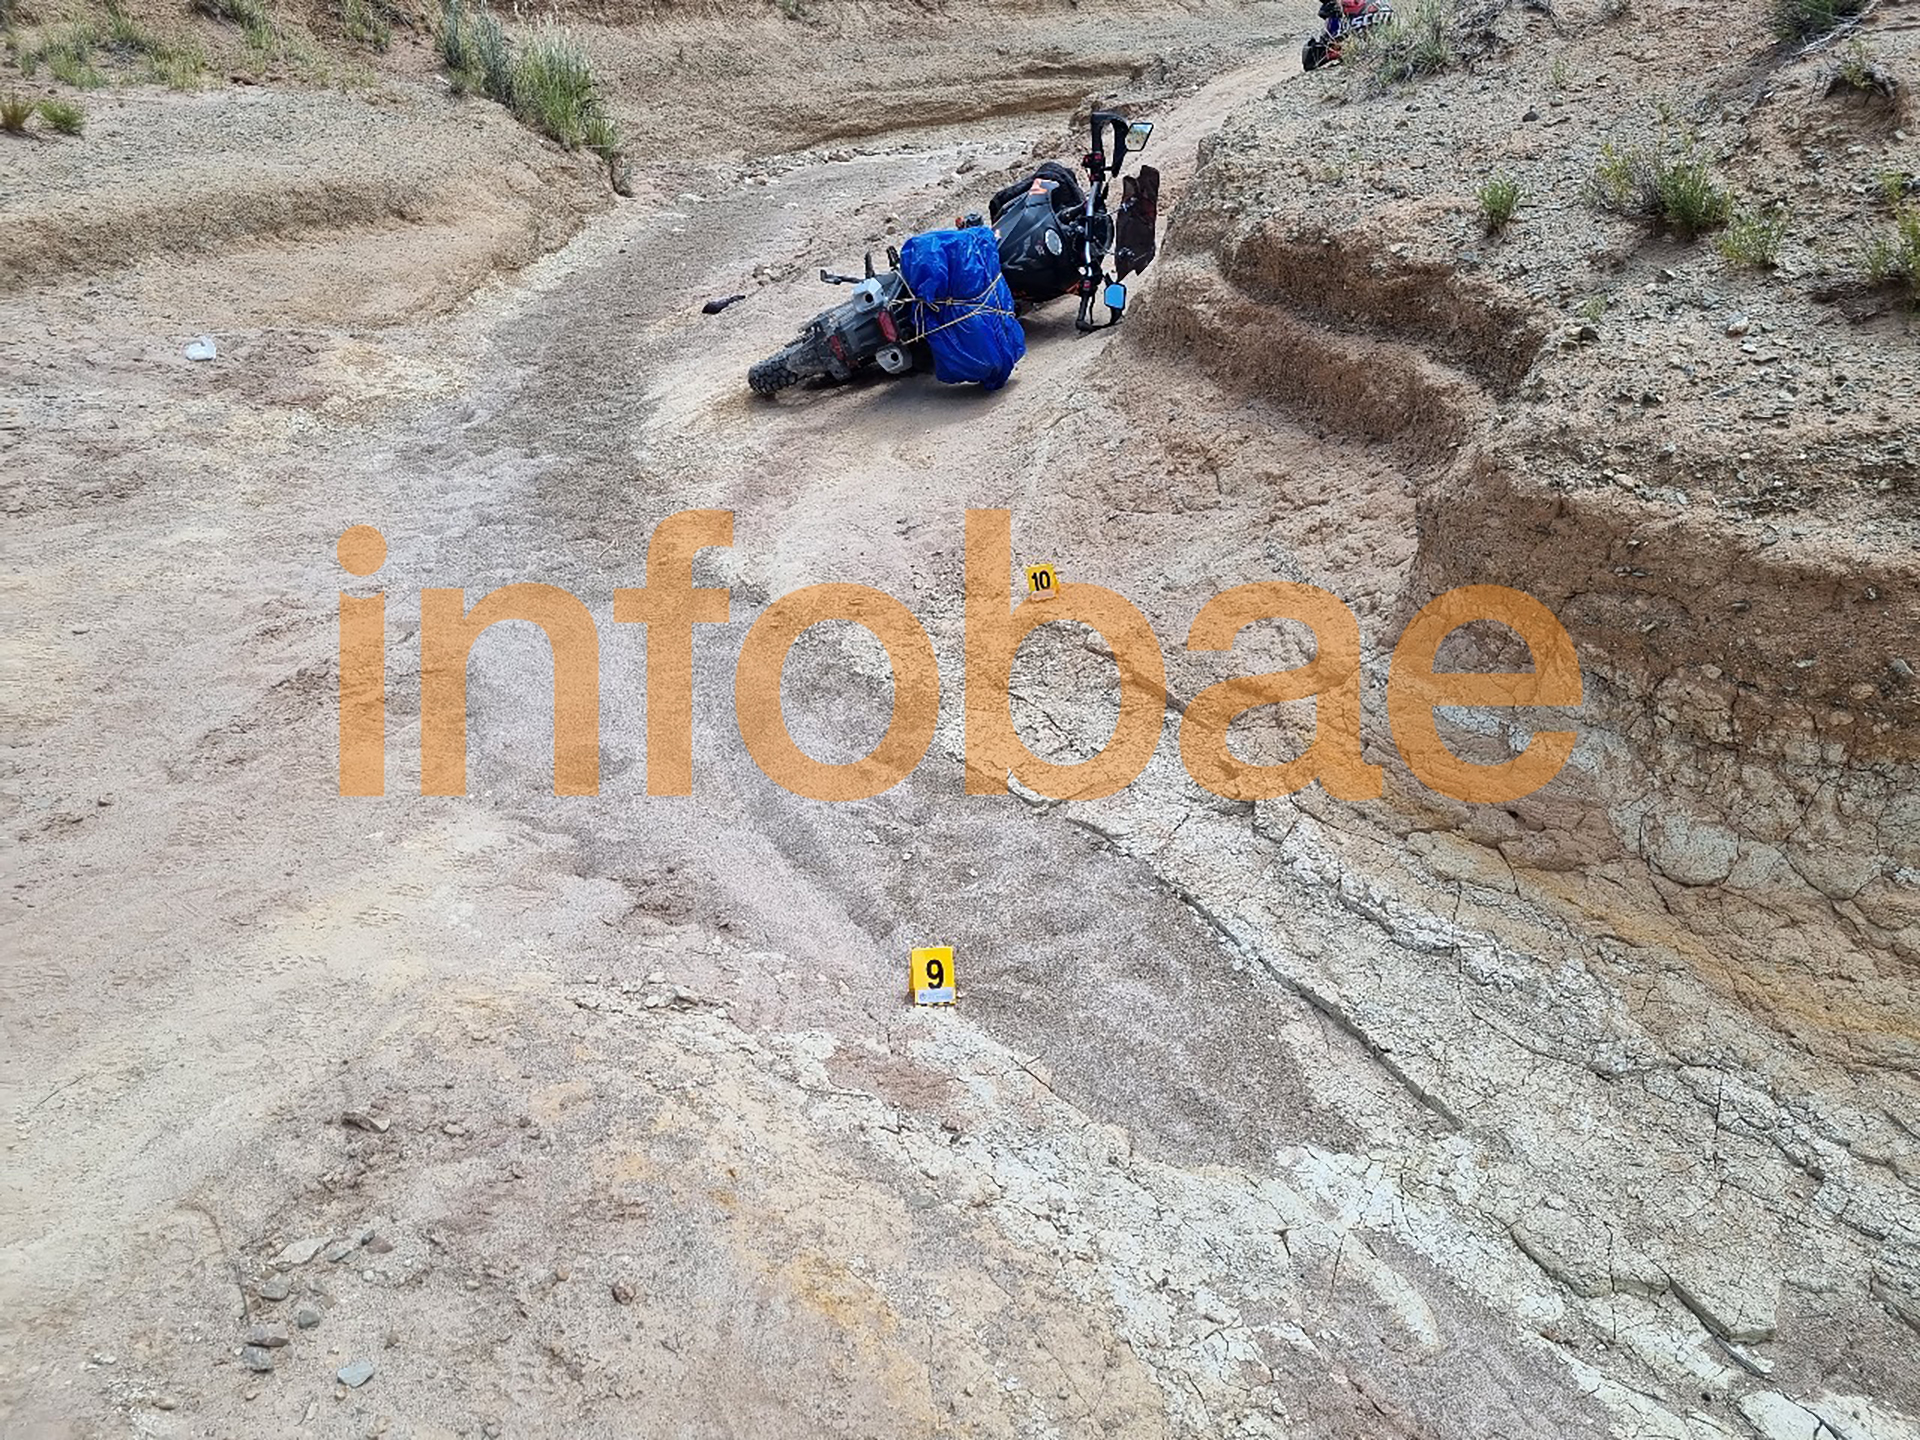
(1053, 237)
(1343, 18)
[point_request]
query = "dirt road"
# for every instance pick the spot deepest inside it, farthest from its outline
(604, 1114)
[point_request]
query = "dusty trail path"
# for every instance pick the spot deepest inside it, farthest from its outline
(1233, 1134)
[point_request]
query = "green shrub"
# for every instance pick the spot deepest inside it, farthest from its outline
(1670, 191)
(549, 85)
(1499, 199)
(64, 116)
(1690, 203)
(1896, 257)
(1796, 21)
(1627, 182)
(474, 49)
(15, 111)
(602, 136)
(495, 59)
(127, 34)
(178, 67)
(1417, 41)
(450, 38)
(553, 88)
(1753, 238)
(69, 56)
(365, 23)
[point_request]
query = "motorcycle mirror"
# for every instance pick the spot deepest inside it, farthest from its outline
(1137, 135)
(1116, 297)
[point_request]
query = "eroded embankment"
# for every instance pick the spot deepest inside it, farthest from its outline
(1737, 570)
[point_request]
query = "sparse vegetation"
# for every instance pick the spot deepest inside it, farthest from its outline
(1895, 257)
(64, 116)
(1797, 21)
(1753, 238)
(127, 34)
(1860, 74)
(1592, 308)
(68, 56)
(474, 49)
(250, 15)
(1895, 186)
(1561, 75)
(553, 89)
(1417, 41)
(1690, 202)
(15, 111)
(1672, 191)
(1856, 66)
(1499, 199)
(366, 23)
(549, 84)
(178, 66)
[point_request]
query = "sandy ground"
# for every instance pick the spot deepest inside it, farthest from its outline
(604, 1116)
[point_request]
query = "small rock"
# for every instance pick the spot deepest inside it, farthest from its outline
(307, 1316)
(363, 1120)
(267, 1337)
(378, 1244)
(622, 1293)
(276, 1288)
(355, 1374)
(341, 1251)
(1738, 326)
(1532, 114)
(1587, 332)
(165, 1402)
(256, 1358)
(301, 1251)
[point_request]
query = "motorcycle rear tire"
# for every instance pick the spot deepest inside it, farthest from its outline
(774, 374)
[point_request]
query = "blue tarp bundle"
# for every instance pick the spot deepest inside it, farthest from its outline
(966, 310)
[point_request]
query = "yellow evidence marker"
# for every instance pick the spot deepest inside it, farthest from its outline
(930, 976)
(1043, 582)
